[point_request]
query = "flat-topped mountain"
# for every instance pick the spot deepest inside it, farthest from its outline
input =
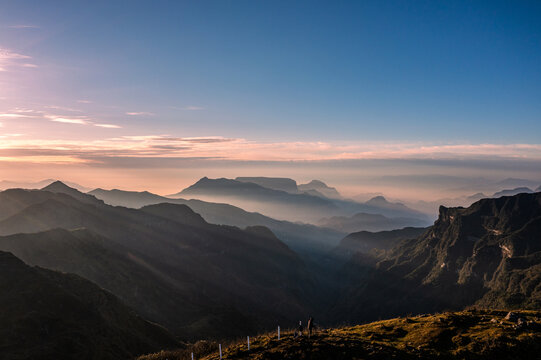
(51, 315)
(282, 184)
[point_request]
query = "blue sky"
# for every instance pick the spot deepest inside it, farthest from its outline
(321, 80)
(398, 70)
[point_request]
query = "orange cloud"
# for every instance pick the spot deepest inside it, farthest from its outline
(165, 146)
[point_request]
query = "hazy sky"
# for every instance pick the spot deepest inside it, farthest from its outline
(155, 94)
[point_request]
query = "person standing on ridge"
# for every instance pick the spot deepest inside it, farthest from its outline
(299, 330)
(310, 326)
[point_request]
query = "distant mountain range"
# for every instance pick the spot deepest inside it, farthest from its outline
(368, 222)
(306, 239)
(291, 206)
(5, 184)
(197, 279)
(314, 187)
(432, 206)
(51, 315)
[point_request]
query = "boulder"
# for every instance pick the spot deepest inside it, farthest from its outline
(511, 316)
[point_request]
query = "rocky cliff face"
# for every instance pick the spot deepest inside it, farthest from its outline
(488, 254)
(492, 246)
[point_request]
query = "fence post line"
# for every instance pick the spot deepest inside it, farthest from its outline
(220, 347)
(248, 338)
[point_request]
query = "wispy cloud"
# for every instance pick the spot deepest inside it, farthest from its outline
(108, 126)
(84, 101)
(63, 108)
(22, 26)
(166, 146)
(194, 108)
(66, 120)
(15, 115)
(139, 113)
(10, 59)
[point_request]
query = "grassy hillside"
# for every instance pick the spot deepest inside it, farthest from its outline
(473, 334)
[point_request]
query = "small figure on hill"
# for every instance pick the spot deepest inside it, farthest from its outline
(299, 330)
(310, 326)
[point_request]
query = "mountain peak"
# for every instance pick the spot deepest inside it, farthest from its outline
(57, 185)
(378, 200)
(317, 183)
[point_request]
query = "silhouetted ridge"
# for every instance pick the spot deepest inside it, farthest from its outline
(58, 187)
(512, 192)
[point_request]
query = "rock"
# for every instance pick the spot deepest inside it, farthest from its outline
(511, 316)
(494, 320)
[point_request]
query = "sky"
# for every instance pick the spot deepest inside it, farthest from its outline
(156, 94)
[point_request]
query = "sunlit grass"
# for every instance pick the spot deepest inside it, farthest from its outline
(467, 334)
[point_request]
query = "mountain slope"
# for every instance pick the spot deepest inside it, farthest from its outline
(119, 270)
(367, 242)
(46, 315)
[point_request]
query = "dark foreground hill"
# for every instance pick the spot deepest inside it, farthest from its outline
(50, 315)
(482, 334)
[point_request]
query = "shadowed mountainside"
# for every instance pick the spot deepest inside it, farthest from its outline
(374, 243)
(47, 314)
